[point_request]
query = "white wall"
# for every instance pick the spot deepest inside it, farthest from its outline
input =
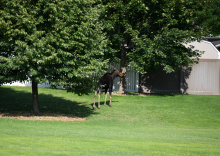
(205, 76)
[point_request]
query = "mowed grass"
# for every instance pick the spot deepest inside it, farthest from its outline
(135, 125)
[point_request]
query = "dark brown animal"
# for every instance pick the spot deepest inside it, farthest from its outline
(106, 82)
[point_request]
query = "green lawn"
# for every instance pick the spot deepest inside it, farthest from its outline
(135, 125)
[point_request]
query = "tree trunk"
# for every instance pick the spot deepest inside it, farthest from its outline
(35, 98)
(122, 88)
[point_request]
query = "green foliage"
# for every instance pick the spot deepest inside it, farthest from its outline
(209, 18)
(57, 41)
(153, 32)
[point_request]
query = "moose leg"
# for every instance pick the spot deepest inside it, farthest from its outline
(105, 99)
(105, 96)
(100, 91)
(94, 99)
(110, 96)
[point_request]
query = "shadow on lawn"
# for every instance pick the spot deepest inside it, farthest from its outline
(12, 101)
(144, 94)
(102, 104)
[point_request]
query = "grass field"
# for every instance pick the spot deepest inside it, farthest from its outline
(135, 125)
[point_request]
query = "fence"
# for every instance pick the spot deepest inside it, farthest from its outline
(27, 83)
(132, 80)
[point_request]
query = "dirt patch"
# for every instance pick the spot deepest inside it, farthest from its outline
(42, 117)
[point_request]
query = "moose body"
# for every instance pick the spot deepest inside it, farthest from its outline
(106, 82)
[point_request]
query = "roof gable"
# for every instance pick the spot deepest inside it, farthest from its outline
(210, 51)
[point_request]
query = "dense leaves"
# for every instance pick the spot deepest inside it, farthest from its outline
(209, 17)
(152, 33)
(57, 41)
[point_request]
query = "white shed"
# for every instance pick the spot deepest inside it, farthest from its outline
(204, 77)
(201, 78)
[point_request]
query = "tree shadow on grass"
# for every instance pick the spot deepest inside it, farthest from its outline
(145, 94)
(102, 103)
(12, 101)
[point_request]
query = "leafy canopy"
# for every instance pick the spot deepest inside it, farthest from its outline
(58, 41)
(152, 33)
(209, 18)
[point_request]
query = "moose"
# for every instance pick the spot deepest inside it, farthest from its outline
(106, 82)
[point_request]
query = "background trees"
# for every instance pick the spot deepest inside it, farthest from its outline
(150, 34)
(57, 41)
(209, 18)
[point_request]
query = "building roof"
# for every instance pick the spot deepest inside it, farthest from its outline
(210, 51)
(215, 41)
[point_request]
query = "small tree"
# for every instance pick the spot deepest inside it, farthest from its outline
(150, 34)
(57, 41)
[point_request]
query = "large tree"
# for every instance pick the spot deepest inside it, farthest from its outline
(59, 41)
(209, 18)
(151, 34)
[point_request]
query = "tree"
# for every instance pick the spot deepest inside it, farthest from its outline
(209, 18)
(58, 41)
(151, 34)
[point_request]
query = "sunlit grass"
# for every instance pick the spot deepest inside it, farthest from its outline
(135, 125)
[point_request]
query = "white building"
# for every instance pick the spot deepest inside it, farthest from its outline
(205, 76)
